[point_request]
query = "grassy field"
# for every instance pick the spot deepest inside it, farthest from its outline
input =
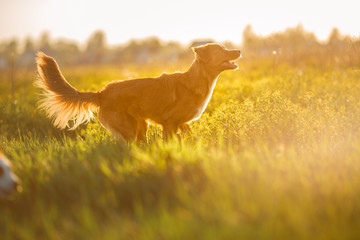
(276, 155)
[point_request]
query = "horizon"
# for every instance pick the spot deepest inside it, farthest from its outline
(77, 21)
(82, 43)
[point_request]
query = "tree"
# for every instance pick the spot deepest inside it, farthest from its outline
(29, 45)
(97, 42)
(249, 38)
(67, 50)
(11, 51)
(27, 57)
(96, 47)
(44, 43)
(335, 38)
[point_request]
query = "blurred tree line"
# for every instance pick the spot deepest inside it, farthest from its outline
(294, 46)
(94, 51)
(297, 46)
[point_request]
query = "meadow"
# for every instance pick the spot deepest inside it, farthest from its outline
(276, 155)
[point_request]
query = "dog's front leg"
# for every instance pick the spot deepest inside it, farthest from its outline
(185, 128)
(169, 130)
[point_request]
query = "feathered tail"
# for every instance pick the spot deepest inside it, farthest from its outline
(61, 101)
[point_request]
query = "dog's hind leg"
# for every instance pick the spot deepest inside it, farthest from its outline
(119, 124)
(142, 126)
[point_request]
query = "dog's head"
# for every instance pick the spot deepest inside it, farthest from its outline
(8, 180)
(217, 57)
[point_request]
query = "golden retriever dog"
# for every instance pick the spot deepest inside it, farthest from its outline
(126, 107)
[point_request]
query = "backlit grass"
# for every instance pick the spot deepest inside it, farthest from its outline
(275, 156)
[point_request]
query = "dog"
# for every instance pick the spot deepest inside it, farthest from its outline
(126, 107)
(9, 182)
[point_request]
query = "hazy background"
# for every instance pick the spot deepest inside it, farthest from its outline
(161, 31)
(172, 20)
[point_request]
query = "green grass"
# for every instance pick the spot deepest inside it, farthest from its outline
(276, 155)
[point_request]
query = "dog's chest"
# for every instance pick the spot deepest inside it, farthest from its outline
(202, 106)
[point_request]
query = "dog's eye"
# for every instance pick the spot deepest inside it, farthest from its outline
(1, 171)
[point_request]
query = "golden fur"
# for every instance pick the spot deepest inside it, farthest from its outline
(126, 107)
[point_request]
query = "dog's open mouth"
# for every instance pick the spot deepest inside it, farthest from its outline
(229, 64)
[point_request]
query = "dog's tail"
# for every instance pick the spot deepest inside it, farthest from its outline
(61, 101)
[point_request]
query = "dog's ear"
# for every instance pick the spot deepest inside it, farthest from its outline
(202, 52)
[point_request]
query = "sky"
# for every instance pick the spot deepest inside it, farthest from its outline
(173, 20)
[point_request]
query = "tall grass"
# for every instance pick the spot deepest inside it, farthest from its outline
(275, 156)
